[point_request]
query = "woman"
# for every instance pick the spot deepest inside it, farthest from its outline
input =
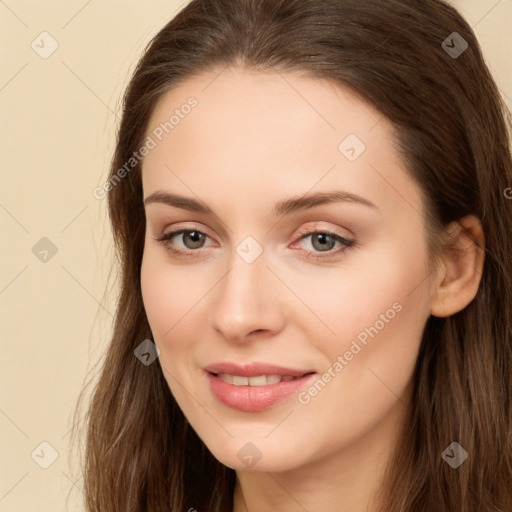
(308, 200)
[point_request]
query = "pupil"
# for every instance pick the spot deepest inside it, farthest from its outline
(195, 238)
(323, 240)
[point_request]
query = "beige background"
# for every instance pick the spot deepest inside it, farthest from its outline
(58, 125)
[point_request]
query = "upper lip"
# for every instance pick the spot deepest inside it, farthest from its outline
(255, 369)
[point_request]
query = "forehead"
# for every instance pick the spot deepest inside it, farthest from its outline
(259, 102)
(272, 134)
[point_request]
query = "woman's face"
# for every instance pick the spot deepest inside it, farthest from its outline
(289, 305)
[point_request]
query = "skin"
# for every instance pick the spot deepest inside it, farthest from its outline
(253, 140)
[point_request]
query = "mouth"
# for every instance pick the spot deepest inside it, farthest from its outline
(256, 387)
(258, 380)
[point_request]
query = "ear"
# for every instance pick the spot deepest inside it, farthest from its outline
(460, 268)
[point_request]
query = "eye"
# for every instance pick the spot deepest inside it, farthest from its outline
(189, 241)
(324, 242)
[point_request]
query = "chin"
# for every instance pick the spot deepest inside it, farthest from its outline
(260, 454)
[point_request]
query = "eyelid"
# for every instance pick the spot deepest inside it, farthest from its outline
(183, 226)
(303, 231)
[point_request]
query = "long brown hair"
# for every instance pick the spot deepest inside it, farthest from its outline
(452, 130)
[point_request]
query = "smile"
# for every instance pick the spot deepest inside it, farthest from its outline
(255, 387)
(260, 380)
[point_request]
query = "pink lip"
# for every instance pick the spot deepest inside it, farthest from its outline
(254, 398)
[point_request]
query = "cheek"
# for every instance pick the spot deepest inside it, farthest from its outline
(369, 365)
(364, 291)
(158, 297)
(375, 309)
(170, 302)
(383, 343)
(170, 298)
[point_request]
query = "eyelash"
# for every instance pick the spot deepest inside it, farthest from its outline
(346, 244)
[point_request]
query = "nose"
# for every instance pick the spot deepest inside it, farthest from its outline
(246, 302)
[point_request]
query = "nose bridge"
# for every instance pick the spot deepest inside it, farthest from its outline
(245, 300)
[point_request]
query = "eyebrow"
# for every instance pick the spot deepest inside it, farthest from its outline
(281, 208)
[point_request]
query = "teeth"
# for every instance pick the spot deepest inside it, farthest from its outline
(226, 378)
(240, 381)
(259, 380)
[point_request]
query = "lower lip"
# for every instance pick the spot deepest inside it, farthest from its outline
(255, 398)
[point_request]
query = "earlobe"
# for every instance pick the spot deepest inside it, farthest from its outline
(460, 269)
